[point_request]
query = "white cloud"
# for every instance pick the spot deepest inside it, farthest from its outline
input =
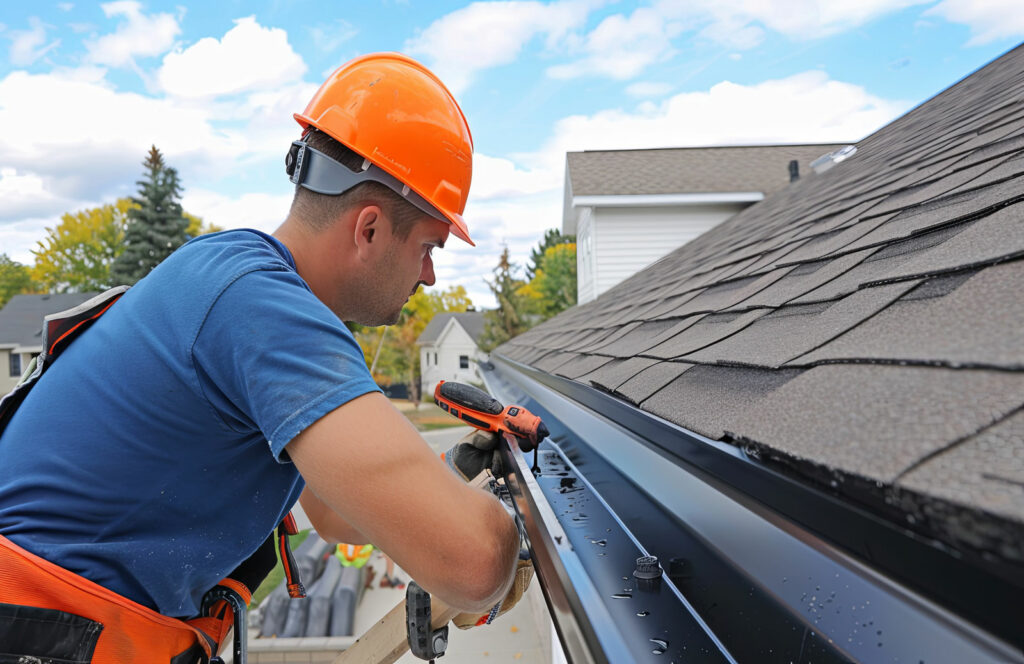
(261, 211)
(27, 46)
(249, 57)
(621, 47)
(24, 195)
(804, 108)
(65, 6)
(648, 89)
(138, 35)
(96, 151)
(989, 20)
(487, 34)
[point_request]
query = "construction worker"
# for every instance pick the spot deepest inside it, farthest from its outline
(160, 449)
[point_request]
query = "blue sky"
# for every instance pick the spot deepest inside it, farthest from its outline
(85, 88)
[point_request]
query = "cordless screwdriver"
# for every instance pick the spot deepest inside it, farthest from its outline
(479, 409)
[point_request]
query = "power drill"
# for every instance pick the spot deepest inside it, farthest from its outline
(479, 409)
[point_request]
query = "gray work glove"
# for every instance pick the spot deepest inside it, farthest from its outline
(476, 452)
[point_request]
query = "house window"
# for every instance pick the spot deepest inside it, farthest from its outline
(435, 359)
(15, 364)
(463, 361)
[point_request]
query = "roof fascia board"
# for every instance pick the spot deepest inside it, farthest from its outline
(653, 200)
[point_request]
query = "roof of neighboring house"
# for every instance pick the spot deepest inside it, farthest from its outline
(758, 168)
(862, 329)
(21, 319)
(471, 321)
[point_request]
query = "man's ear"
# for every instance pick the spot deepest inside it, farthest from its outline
(368, 230)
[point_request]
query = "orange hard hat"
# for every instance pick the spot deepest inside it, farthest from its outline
(396, 114)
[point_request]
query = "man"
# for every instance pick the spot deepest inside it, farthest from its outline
(163, 446)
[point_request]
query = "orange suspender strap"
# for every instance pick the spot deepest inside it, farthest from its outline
(291, 571)
(127, 631)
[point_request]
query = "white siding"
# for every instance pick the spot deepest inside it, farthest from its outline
(626, 240)
(453, 342)
(7, 382)
(586, 267)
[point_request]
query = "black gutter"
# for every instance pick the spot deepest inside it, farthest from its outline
(759, 567)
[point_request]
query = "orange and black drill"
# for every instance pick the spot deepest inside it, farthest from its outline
(479, 409)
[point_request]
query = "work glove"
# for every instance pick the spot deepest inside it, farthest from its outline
(478, 451)
(524, 574)
(475, 452)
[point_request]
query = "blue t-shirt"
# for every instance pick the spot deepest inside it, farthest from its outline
(149, 458)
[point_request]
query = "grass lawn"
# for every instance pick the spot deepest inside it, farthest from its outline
(427, 417)
(276, 574)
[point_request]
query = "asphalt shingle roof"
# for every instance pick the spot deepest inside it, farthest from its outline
(21, 319)
(867, 320)
(763, 168)
(471, 321)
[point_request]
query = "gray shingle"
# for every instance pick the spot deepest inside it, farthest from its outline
(877, 421)
(707, 399)
(787, 333)
(704, 332)
(649, 380)
(985, 471)
(954, 326)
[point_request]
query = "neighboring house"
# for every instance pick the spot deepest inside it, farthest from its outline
(628, 208)
(812, 414)
(21, 330)
(448, 349)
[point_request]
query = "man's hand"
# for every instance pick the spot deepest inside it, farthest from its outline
(478, 451)
(474, 453)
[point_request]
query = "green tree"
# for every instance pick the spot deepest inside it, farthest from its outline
(553, 287)
(394, 348)
(156, 227)
(513, 315)
(77, 254)
(552, 237)
(15, 279)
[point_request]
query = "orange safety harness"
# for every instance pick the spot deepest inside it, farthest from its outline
(48, 613)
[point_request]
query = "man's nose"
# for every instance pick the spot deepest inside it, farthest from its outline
(427, 272)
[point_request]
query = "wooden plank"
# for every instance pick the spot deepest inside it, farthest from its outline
(388, 640)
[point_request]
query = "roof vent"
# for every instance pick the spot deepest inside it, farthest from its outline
(827, 161)
(794, 170)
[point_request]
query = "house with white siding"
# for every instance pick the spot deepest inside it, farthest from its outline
(21, 330)
(628, 208)
(449, 351)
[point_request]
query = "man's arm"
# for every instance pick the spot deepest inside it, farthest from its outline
(368, 464)
(328, 523)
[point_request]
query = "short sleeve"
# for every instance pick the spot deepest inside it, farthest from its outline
(270, 356)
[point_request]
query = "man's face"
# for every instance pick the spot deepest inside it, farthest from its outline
(403, 267)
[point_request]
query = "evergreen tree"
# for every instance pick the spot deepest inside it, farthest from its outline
(156, 227)
(512, 317)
